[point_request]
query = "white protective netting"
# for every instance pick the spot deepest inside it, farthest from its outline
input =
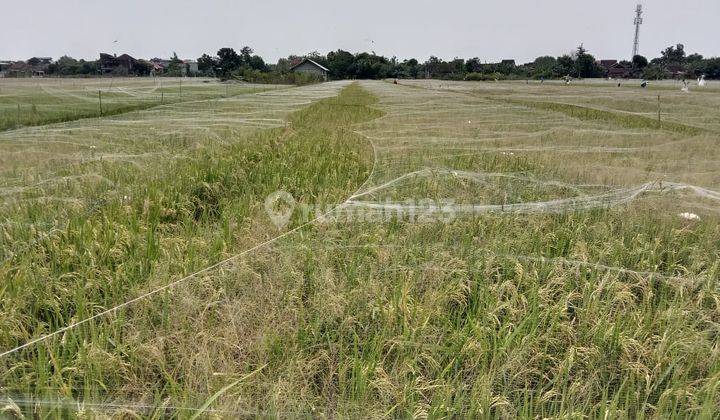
(36, 157)
(439, 143)
(435, 151)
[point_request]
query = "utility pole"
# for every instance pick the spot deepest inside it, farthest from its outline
(638, 22)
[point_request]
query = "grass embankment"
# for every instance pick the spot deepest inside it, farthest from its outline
(170, 222)
(620, 119)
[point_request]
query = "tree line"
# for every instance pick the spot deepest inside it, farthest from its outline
(672, 62)
(244, 64)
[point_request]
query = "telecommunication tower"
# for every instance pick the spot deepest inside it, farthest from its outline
(638, 22)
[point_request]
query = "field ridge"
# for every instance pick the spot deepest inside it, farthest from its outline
(594, 114)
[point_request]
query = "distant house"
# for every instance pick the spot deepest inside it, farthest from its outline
(19, 69)
(308, 66)
(107, 62)
(606, 64)
(4, 67)
(622, 69)
(39, 65)
(192, 66)
(676, 70)
(110, 63)
(40, 61)
(160, 66)
(157, 68)
(127, 62)
(507, 63)
(613, 68)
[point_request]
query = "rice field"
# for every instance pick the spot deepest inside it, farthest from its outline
(367, 249)
(26, 102)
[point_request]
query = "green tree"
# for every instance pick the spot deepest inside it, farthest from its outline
(473, 65)
(142, 68)
(283, 65)
(88, 67)
(372, 66)
(207, 64)
(655, 72)
(175, 67)
(340, 63)
(409, 68)
(585, 64)
(256, 62)
(566, 66)
(639, 62)
(710, 67)
(545, 67)
(694, 58)
(440, 68)
(673, 55)
(246, 55)
(65, 65)
(458, 66)
(228, 62)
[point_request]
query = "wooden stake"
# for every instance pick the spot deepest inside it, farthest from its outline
(658, 108)
(100, 97)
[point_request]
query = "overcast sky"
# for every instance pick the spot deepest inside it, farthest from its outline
(491, 30)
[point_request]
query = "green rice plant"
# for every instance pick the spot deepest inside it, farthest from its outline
(179, 220)
(609, 310)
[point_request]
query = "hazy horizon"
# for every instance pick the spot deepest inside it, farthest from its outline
(521, 30)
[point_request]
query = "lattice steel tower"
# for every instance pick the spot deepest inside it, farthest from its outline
(638, 22)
